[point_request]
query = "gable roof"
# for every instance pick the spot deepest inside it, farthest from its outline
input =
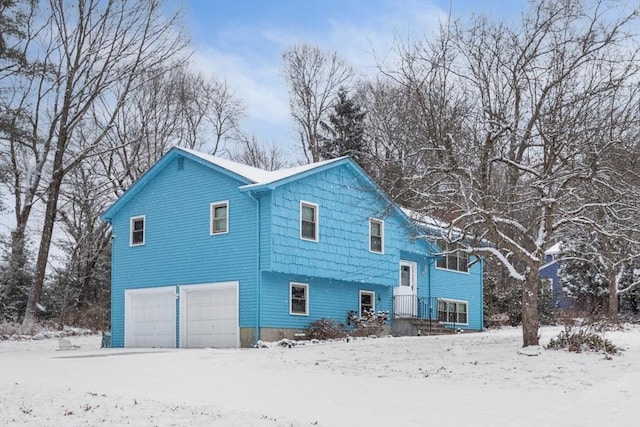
(248, 172)
(258, 177)
(554, 249)
(249, 176)
(253, 179)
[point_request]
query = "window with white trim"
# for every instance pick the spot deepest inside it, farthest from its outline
(451, 311)
(299, 299)
(454, 259)
(219, 218)
(137, 231)
(309, 221)
(367, 302)
(376, 235)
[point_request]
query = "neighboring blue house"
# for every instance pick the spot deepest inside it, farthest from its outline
(211, 253)
(549, 271)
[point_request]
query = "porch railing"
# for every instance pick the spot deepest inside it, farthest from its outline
(410, 306)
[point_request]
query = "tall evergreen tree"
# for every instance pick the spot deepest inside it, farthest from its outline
(16, 277)
(344, 133)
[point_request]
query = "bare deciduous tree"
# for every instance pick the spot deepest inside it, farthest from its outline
(84, 275)
(90, 55)
(175, 107)
(170, 107)
(208, 107)
(253, 154)
(314, 78)
(547, 100)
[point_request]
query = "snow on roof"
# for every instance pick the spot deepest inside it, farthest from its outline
(249, 172)
(554, 250)
(424, 219)
(439, 226)
(256, 175)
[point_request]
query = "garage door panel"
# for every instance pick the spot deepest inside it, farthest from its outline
(209, 315)
(150, 317)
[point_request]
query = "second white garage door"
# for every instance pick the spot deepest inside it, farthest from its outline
(209, 315)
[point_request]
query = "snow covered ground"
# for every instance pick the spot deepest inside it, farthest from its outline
(480, 379)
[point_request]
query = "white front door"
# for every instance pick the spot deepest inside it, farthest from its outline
(405, 294)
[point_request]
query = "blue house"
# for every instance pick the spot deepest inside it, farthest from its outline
(549, 271)
(211, 253)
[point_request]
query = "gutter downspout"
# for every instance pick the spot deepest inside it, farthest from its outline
(256, 334)
(111, 293)
(481, 293)
(429, 264)
(430, 260)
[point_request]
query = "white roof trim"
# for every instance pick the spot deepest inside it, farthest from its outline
(256, 175)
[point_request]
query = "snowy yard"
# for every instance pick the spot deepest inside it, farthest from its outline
(477, 379)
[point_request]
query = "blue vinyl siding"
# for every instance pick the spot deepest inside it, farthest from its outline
(178, 247)
(266, 240)
(456, 285)
(263, 243)
(550, 271)
(330, 299)
(345, 204)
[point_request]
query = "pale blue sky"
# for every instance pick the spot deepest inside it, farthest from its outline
(242, 41)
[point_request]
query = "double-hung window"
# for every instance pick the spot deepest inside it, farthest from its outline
(367, 302)
(309, 221)
(136, 227)
(452, 311)
(299, 299)
(454, 259)
(376, 235)
(219, 217)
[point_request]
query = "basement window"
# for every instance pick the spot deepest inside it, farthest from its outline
(299, 299)
(367, 302)
(451, 311)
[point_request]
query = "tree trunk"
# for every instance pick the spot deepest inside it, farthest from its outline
(45, 243)
(613, 297)
(530, 320)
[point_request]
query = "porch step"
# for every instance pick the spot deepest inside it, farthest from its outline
(431, 327)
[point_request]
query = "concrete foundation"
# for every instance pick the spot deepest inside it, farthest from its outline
(247, 337)
(277, 334)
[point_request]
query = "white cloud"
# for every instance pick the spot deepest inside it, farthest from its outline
(250, 57)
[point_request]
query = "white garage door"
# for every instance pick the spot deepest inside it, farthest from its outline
(150, 317)
(209, 315)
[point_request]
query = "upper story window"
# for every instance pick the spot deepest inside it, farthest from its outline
(309, 221)
(376, 235)
(137, 231)
(299, 299)
(454, 259)
(219, 217)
